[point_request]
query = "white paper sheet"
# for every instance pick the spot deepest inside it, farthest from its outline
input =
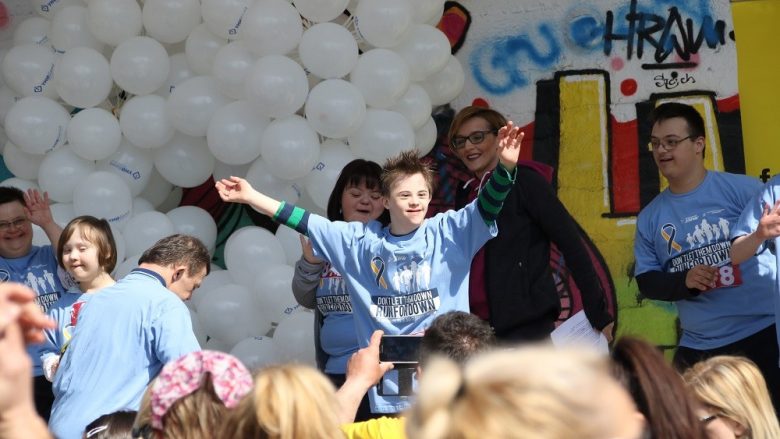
(577, 331)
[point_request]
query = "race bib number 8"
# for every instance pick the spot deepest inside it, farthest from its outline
(728, 276)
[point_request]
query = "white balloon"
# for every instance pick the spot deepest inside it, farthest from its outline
(192, 104)
(319, 11)
(227, 313)
(445, 85)
(271, 27)
(215, 279)
(277, 86)
(249, 248)
(83, 77)
(223, 170)
(128, 265)
(201, 49)
(335, 108)
(382, 76)
(20, 163)
(49, 8)
(32, 30)
(256, 352)
(273, 286)
(170, 21)
(103, 195)
(157, 190)
(425, 137)
(36, 124)
(234, 133)
(29, 70)
(383, 23)
(225, 17)
(145, 229)
(141, 205)
(425, 49)
(19, 183)
(334, 155)
(195, 221)
(232, 64)
(121, 245)
(94, 134)
(415, 105)
(69, 29)
(61, 171)
(114, 21)
(294, 338)
(180, 70)
(63, 213)
(185, 161)
(8, 98)
(290, 147)
(217, 345)
(261, 178)
(291, 243)
(132, 164)
(197, 327)
(140, 65)
(328, 50)
(383, 134)
(424, 11)
(145, 123)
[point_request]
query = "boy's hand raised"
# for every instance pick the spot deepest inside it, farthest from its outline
(238, 190)
(510, 139)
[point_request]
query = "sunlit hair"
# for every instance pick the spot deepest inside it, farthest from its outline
(657, 389)
(195, 416)
(531, 392)
(495, 119)
(456, 335)
(403, 165)
(117, 425)
(355, 173)
(96, 231)
(290, 401)
(734, 387)
(179, 249)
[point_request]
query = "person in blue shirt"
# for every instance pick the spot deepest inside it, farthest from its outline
(34, 266)
(127, 333)
(400, 276)
(87, 251)
(682, 245)
(356, 196)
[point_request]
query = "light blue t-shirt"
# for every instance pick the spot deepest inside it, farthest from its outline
(337, 333)
(123, 338)
(65, 313)
(747, 224)
(399, 284)
(676, 232)
(39, 271)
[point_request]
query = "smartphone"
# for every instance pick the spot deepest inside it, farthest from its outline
(400, 349)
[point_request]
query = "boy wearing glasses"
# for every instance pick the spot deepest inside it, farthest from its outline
(34, 266)
(511, 285)
(682, 244)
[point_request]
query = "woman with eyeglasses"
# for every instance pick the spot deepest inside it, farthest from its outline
(511, 284)
(733, 399)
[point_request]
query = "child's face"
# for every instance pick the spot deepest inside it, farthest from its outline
(80, 258)
(407, 203)
(359, 203)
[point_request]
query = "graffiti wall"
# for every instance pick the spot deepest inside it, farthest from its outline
(581, 77)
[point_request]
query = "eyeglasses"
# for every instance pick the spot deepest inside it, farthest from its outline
(668, 144)
(15, 223)
(477, 137)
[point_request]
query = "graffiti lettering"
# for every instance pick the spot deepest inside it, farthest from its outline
(673, 80)
(665, 35)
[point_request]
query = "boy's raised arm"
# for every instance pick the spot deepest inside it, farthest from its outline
(238, 190)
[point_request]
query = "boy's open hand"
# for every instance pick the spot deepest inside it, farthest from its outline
(234, 190)
(38, 207)
(769, 224)
(509, 142)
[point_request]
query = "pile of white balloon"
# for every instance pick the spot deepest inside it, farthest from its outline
(113, 106)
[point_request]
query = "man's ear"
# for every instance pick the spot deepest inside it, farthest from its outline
(700, 144)
(178, 273)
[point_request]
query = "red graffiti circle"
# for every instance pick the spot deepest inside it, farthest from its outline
(617, 64)
(480, 102)
(628, 87)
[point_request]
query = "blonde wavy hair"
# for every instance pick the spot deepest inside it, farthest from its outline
(528, 392)
(290, 401)
(734, 388)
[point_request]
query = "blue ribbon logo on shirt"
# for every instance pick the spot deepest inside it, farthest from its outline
(669, 231)
(378, 267)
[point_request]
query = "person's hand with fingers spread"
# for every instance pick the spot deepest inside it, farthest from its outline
(363, 371)
(768, 228)
(308, 252)
(39, 213)
(238, 190)
(510, 140)
(701, 277)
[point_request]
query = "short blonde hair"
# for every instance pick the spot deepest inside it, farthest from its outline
(735, 388)
(290, 401)
(528, 392)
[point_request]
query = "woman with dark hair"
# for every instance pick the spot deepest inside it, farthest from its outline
(658, 390)
(316, 285)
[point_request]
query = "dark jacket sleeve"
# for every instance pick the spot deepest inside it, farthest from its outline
(658, 285)
(561, 229)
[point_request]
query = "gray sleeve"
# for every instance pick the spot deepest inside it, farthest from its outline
(305, 282)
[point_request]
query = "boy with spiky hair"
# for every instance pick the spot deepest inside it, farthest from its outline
(400, 277)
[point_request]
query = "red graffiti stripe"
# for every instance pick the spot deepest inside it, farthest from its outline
(624, 167)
